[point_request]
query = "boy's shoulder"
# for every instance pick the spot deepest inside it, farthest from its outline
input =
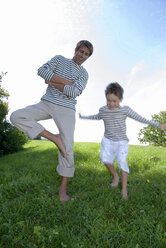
(104, 109)
(124, 109)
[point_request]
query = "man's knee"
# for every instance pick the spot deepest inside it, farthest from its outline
(13, 117)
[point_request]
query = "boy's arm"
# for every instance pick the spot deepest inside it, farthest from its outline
(132, 114)
(90, 117)
(163, 127)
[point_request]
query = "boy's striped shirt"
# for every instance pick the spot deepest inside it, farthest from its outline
(115, 121)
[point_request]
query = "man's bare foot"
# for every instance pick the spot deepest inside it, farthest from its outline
(115, 182)
(59, 143)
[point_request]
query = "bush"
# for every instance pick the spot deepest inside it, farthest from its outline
(11, 139)
(154, 136)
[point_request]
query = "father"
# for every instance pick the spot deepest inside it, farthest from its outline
(66, 80)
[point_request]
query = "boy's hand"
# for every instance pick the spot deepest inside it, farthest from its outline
(163, 127)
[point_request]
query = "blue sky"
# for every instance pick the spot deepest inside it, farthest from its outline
(129, 40)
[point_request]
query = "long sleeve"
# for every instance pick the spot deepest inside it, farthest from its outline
(48, 70)
(132, 114)
(77, 87)
(91, 117)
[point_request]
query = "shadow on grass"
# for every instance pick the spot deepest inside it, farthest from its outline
(36, 166)
(97, 218)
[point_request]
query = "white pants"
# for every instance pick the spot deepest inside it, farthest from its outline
(111, 150)
(26, 120)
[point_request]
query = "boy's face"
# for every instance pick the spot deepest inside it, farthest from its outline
(81, 55)
(113, 101)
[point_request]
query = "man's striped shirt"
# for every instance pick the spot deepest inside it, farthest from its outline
(68, 69)
(115, 121)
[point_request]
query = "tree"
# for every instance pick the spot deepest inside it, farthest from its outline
(11, 139)
(152, 135)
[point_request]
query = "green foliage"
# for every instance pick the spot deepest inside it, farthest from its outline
(11, 139)
(154, 136)
(32, 216)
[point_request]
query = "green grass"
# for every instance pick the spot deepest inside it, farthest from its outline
(32, 216)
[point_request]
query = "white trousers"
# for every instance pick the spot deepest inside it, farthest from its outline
(26, 120)
(111, 150)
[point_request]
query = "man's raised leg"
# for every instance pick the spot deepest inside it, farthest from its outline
(56, 139)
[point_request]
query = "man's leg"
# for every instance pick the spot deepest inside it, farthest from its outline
(26, 119)
(65, 121)
(56, 139)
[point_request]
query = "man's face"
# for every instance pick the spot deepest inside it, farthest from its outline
(81, 55)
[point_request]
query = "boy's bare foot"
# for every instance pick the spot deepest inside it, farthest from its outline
(64, 198)
(115, 182)
(59, 143)
(124, 194)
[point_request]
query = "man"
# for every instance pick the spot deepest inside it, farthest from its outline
(66, 80)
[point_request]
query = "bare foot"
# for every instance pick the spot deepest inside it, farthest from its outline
(59, 143)
(64, 198)
(124, 194)
(115, 182)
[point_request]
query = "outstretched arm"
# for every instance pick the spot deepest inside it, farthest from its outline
(90, 117)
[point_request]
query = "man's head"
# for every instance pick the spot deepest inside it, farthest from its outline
(83, 51)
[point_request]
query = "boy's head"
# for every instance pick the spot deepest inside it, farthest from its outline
(114, 95)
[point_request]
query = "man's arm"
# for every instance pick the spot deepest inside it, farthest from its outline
(58, 82)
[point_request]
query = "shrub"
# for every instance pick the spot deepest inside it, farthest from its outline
(11, 139)
(154, 136)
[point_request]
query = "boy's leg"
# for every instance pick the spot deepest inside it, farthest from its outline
(113, 172)
(123, 166)
(124, 176)
(107, 156)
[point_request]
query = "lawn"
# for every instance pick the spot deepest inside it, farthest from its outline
(32, 216)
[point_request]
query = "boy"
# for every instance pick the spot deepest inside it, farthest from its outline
(114, 144)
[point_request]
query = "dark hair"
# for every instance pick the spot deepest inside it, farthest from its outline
(85, 43)
(116, 89)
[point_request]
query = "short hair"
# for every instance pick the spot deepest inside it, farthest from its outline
(85, 43)
(116, 89)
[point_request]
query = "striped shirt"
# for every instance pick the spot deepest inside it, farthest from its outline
(68, 69)
(115, 121)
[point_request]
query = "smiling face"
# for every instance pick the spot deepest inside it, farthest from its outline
(81, 55)
(113, 101)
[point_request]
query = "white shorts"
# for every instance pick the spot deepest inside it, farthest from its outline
(111, 150)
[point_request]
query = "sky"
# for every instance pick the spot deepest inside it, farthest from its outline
(129, 39)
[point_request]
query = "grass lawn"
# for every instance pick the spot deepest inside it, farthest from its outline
(31, 215)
